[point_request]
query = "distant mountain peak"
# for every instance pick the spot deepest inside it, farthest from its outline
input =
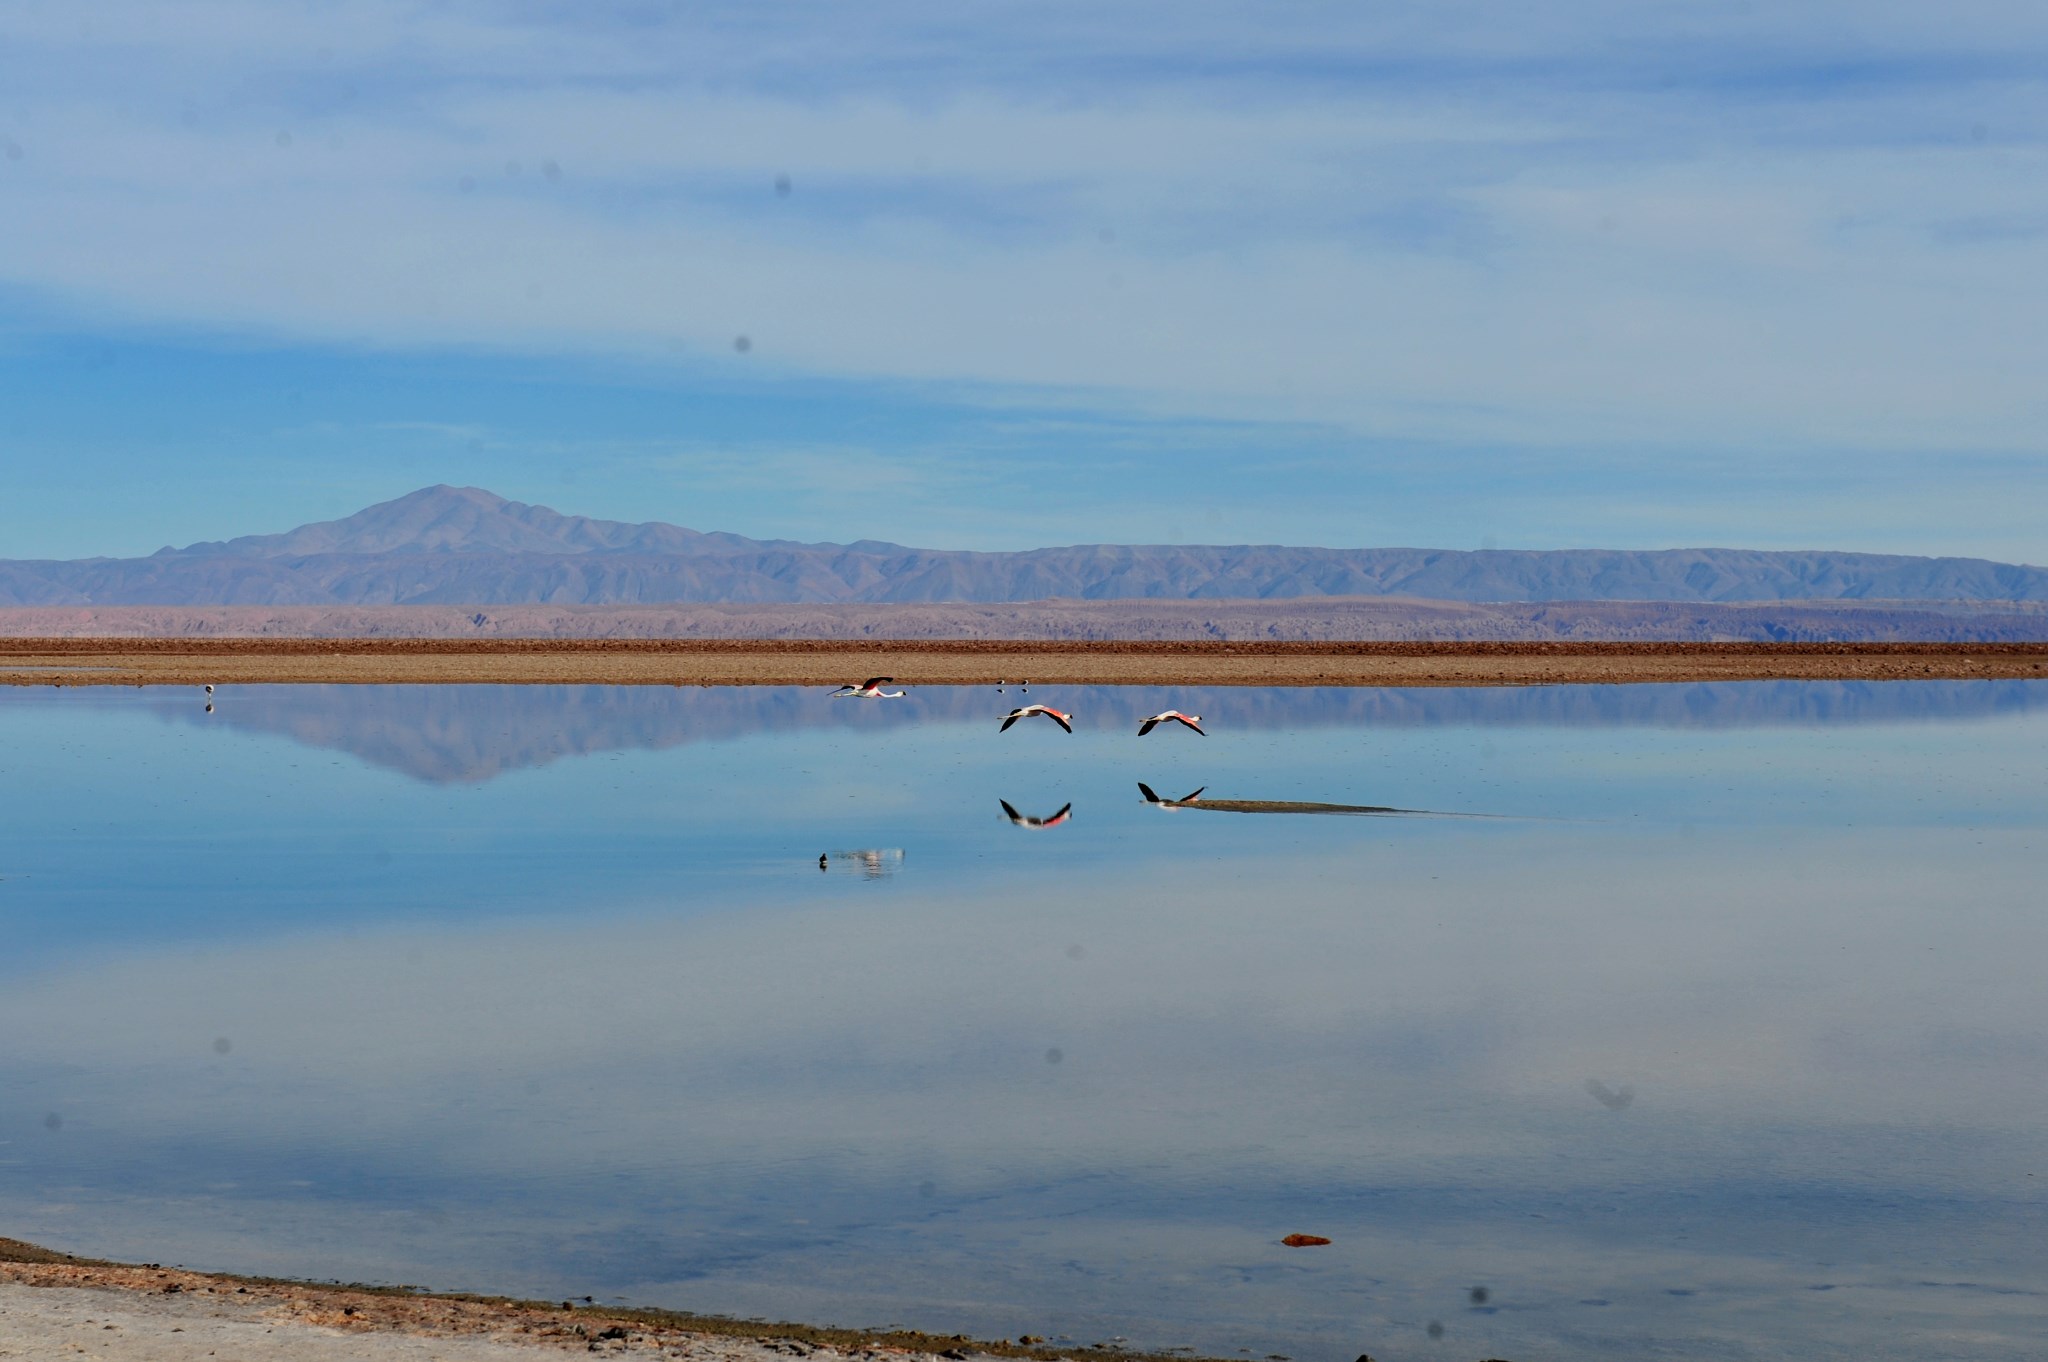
(466, 545)
(448, 519)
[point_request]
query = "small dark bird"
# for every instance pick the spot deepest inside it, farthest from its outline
(824, 861)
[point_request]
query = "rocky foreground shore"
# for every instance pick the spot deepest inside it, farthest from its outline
(55, 1306)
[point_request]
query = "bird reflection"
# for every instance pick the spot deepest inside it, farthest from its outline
(1614, 1099)
(870, 863)
(1195, 801)
(1023, 820)
(1168, 804)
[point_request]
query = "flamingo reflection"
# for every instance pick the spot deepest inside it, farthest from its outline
(1023, 820)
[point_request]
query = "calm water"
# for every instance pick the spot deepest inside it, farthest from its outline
(1721, 1034)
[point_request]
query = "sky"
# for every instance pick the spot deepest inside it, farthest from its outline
(1595, 273)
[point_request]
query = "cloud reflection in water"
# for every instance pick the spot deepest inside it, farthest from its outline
(679, 1070)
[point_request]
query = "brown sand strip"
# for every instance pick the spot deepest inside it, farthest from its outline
(184, 661)
(149, 1313)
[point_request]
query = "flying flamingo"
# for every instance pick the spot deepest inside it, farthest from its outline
(1063, 720)
(1025, 820)
(1193, 721)
(870, 689)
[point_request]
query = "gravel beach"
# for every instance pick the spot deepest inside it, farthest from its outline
(59, 1307)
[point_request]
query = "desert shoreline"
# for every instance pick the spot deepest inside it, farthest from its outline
(46, 1294)
(786, 662)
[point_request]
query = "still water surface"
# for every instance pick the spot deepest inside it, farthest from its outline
(1722, 1032)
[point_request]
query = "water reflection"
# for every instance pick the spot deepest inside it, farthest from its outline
(1739, 1061)
(1026, 821)
(464, 734)
(1196, 801)
(1614, 1099)
(871, 863)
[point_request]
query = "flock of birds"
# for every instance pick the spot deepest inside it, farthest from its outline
(871, 689)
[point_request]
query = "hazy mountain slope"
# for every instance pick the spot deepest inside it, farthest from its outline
(450, 545)
(1319, 618)
(446, 519)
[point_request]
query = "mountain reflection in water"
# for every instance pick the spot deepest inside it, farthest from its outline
(458, 734)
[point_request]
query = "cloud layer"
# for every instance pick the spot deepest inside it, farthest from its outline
(1604, 274)
(1589, 224)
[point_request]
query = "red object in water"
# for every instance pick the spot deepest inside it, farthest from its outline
(1304, 1240)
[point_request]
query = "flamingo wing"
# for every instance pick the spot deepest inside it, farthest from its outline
(877, 682)
(1011, 810)
(1190, 723)
(1057, 718)
(1147, 727)
(1061, 816)
(1008, 719)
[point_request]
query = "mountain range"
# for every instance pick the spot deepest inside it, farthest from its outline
(465, 546)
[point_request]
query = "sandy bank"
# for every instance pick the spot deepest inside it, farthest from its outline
(52, 1306)
(184, 661)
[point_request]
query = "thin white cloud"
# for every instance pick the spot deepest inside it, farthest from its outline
(1362, 233)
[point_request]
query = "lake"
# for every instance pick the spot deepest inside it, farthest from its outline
(1699, 1020)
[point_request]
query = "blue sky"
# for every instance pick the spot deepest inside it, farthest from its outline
(1588, 273)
